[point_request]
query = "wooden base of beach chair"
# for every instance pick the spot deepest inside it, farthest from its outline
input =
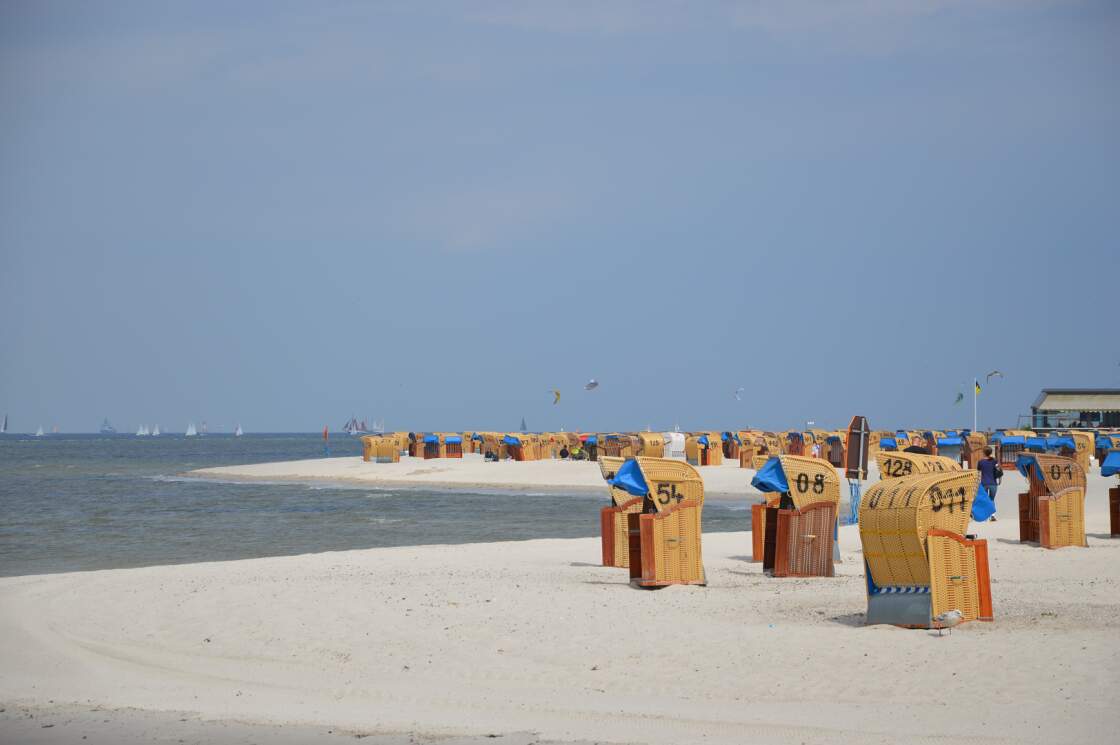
(665, 547)
(758, 531)
(799, 543)
(1028, 518)
(614, 525)
(960, 580)
(1054, 521)
(1114, 511)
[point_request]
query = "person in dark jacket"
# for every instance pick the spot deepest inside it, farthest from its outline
(990, 475)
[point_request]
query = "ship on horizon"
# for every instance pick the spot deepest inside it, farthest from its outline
(106, 428)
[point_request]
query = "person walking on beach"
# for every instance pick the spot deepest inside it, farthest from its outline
(990, 475)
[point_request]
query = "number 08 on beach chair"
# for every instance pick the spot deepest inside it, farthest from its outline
(795, 537)
(664, 538)
(1052, 511)
(918, 561)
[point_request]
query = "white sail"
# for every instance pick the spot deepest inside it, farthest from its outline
(4, 426)
(40, 432)
(191, 431)
(155, 431)
(237, 432)
(142, 432)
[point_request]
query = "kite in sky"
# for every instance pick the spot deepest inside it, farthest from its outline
(591, 385)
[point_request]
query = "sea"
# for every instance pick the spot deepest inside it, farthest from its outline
(86, 502)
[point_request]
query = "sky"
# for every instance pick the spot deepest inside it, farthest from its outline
(284, 214)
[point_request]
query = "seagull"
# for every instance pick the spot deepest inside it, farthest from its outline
(591, 385)
(993, 374)
(556, 396)
(947, 620)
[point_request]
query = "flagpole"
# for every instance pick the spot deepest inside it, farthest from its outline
(975, 396)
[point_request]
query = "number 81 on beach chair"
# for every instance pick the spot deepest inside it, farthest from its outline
(1052, 510)
(796, 536)
(664, 537)
(918, 562)
(1110, 466)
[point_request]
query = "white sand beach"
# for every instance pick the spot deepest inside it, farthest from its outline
(468, 472)
(535, 637)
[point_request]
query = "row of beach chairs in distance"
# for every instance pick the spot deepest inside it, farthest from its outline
(750, 448)
(919, 561)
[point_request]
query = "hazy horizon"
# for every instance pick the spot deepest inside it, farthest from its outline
(283, 215)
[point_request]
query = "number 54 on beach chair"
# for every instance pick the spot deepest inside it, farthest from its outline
(664, 537)
(918, 562)
(793, 533)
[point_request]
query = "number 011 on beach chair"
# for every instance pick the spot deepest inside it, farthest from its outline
(918, 561)
(795, 537)
(664, 538)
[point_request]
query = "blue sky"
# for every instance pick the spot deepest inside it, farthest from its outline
(287, 213)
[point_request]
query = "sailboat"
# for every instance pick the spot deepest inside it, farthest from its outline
(191, 431)
(4, 426)
(523, 427)
(142, 432)
(155, 431)
(40, 432)
(237, 432)
(204, 428)
(107, 429)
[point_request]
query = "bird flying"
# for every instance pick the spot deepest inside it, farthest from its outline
(555, 396)
(591, 385)
(993, 374)
(960, 397)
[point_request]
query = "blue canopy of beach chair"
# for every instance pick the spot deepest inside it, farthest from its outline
(476, 438)
(1013, 440)
(1024, 463)
(1111, 465)
(1055, 443)
(1035, 442)
(431, 439)
(629, 478)
(947, 441)
(511, 440)
(703, 440)
(592, 440)
(771, 477)
(453, 440)
(888, 442)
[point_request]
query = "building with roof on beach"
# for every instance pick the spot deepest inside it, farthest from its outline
(1076, 407)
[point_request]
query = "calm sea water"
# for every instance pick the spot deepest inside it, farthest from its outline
(75, 502)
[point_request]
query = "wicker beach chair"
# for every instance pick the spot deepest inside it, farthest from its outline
(613, 519)
(1110, 466)
(1052, 510)
(652, 444)
(452, 446)
(703, 449)
(798, 533)
(918, 561)
(893, 465)
(665, 537)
